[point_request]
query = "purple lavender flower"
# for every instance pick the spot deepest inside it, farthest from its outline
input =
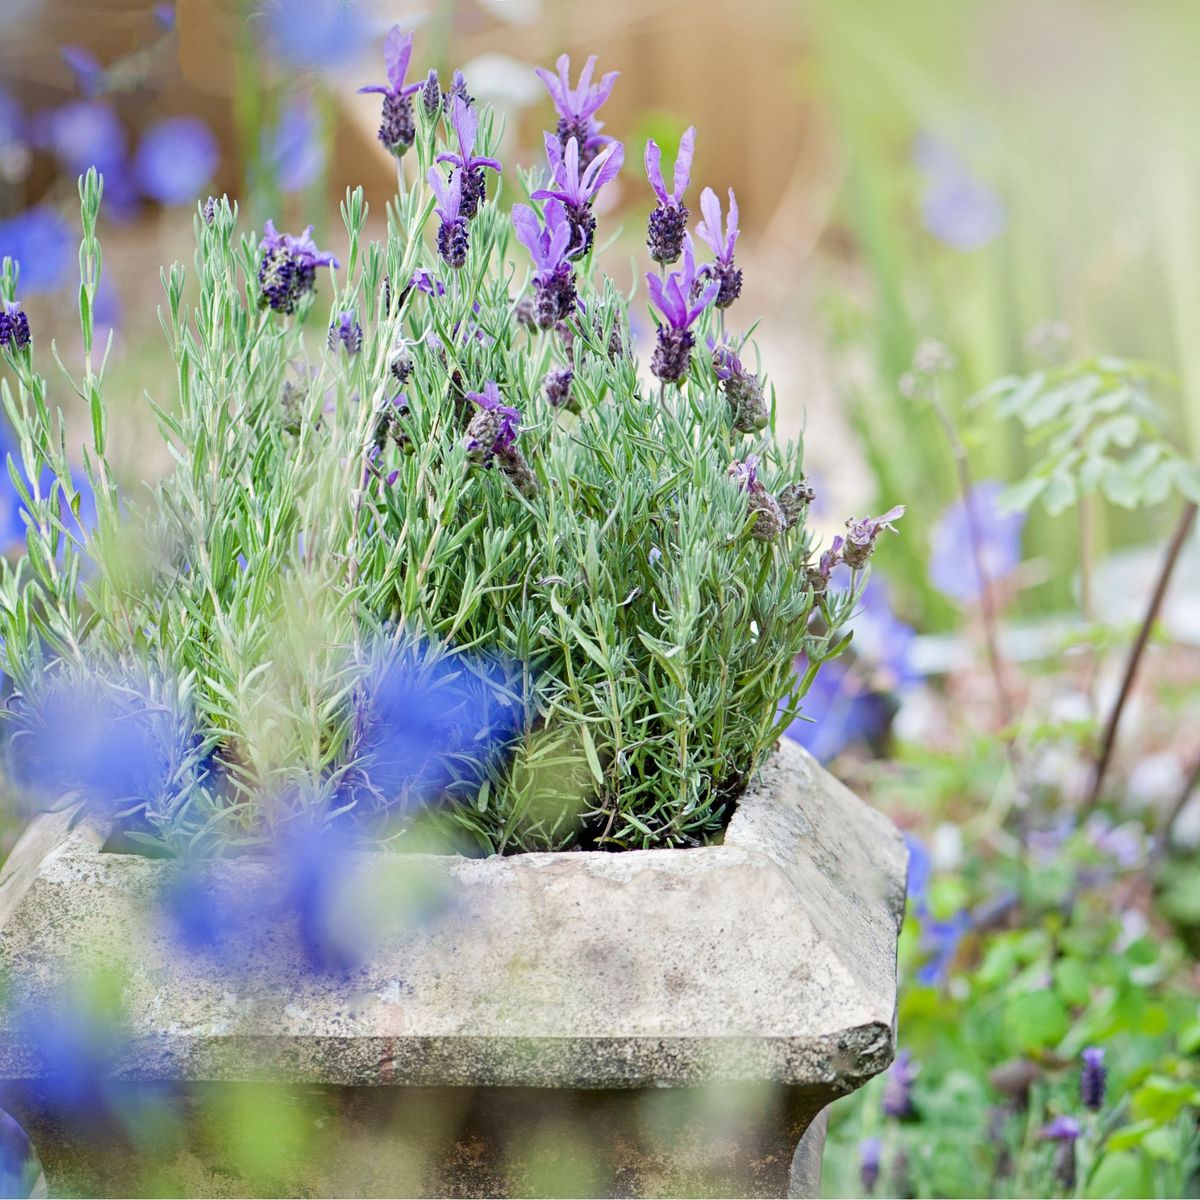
(576, 191)
(288, 271)
(492, 437)
(43, 245)
(747, 404)
(458, 87)
(554, 279)
(86, 68)
(940, 941)
(861, 535)
(557, 387)
(452, 239)
(577, 106)
(955, 207)
(492, 430)
(1093, 1078)
(674, 300)
(294, 150)
(164, 17)
(346, 332)
(466, 127)
(20, 1168)
(175, 159)
(953, 557)
(769, 520)
(14, 327)
(668, 222)
(1065, 1131)
(897, 1087)
(870, 1153)
(397, 128)
(82, 134)
(722, 245)
(431, 94)
(818, 576)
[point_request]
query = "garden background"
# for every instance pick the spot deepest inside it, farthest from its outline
(971, 227)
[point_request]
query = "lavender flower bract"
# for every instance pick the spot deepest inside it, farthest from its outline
(492, 438)
(577, 106)
(452, 239)
(397, 128)
(722, 245)
(681, 301)
(288, 271)
(577, 191)
(861, 535)
(769, 520)
(554, 280)
(431, 94)
(346, 332)
(668, 222)
(747, 404)
(557, 387)
(466, 128)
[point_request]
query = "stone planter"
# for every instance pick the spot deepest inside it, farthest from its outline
(661, 1022)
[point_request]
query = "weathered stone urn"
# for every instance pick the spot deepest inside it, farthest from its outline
(658, 1022)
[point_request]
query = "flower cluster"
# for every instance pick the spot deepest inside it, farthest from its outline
(397, 129)
(14, 327)
(747, 405)
(492, 438)
(577, 107)
(453, 241)
(554, 281)
(468, 165)
(575, 186)
(346, 332)
(287, 271)
(769, 518)
(668, 222)
(681, 300)
(724, 271)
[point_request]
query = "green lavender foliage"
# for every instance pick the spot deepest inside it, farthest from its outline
(647, 637)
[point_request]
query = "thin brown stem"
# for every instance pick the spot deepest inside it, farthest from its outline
(1108, 739)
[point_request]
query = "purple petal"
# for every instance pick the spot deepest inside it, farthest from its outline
(553, 84)
(683, 163)
(397, 50)
(525, 224)
(375, 87)
(466, 126)
(709, 230)
(705, 299)
(731, 225)
(604, 167)
(654, 170)
(579, 97)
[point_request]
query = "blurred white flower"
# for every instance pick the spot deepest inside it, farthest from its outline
(946, 847)
(513, 12)
(505, 82)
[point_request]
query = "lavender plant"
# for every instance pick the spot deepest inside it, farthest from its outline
(420, 562)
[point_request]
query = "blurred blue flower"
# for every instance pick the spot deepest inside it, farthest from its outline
(852, 697)
(176, 159)
(940, 941)
(86, 68)
(82, 134)
(118, 744)
(952, 567)
(428, 722)
(294, 151)
(164, 17)
(897, 1087)
(44, 246)
(955, 207)
(920, 869)
(12, 121)
(315, 33)
(20, 1170)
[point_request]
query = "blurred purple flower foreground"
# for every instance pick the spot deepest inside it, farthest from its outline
(952, 559)
(175, 159)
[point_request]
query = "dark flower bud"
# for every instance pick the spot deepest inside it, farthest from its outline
(583, 229)
(769, 521)
(397, 129)
(554, 296)
(346, 332)
(870, 1153)
(794, 501)
(672, 354)
(14, 327)
(861, 535)
(474, 191)
(747, 404)
(402, 366)
(557, 388)
(514, 465)
(293, 401)
(897, 1089)
(209, 211)
(1093, 1079)
(525, 311)
(453, 243)
(668, 224)
(431, 94)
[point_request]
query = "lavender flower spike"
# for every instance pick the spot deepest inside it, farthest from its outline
(288, 271)
(1093, 1079)
(397, 128)
(452, 240)
(861, 535)
(668, 222)
(554, 280)
(466, 126)
(492, 437)
(14, 327)
(576, 191)
(672, 298)
(577, 106)
(346, 332)
(769, 519)
(722, 245)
